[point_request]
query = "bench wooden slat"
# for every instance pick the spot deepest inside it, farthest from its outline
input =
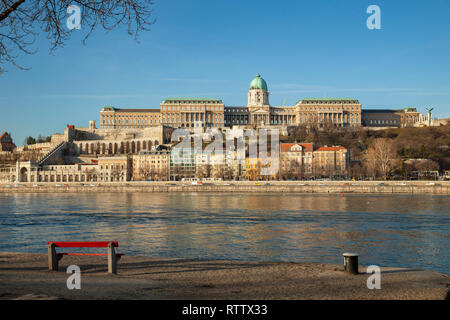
(86, 254)
(83, 244)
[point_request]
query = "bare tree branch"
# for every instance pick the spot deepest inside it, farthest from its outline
(6, 13)
(21, 22)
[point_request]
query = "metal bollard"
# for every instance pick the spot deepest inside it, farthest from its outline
(351, 263)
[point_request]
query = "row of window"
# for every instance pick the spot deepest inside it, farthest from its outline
(193, 117)
(129, 121)
(181, 108)
(148, 162)
(383, 121)
(352, 120)
(236, 110)
(112, 166)
(133, 115)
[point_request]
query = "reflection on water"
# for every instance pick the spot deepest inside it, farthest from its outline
(406, 231)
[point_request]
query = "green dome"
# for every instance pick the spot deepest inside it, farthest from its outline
(258, 83)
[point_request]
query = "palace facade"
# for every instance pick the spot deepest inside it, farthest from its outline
(211, 112)
(406, 117)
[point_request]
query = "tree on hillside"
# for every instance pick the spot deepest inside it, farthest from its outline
(21, 20)
(407, 168)
(299, 133)
(357, 171)
(380, 157)
(30, 140)
(427, 165)
(42, 139)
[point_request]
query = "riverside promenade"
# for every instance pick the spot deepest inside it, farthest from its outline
(26, 276)
(321, 187)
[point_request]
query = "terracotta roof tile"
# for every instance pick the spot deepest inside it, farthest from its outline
(330, 148)
(285, 147)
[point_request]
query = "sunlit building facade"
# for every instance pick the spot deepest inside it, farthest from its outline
(211, 112)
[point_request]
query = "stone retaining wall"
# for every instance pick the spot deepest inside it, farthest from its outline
(441, 187)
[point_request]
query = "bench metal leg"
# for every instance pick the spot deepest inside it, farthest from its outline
(112, 259)
(52, 257)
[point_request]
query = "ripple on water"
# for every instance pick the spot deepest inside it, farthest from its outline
(397, 230)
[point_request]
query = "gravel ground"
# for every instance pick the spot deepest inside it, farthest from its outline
(26, 276)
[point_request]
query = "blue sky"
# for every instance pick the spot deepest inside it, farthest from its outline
(211, 48)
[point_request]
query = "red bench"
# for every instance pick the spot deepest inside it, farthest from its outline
(54, 257)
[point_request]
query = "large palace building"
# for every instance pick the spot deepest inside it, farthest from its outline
(211, 112)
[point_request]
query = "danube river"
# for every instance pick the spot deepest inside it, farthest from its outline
(386, 230)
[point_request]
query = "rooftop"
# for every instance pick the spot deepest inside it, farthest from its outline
(137, 110)
(192, 100)
(389, 110)
(334, 148)
(328, 100)
(286, 147)
(258, 83)
(380, 110)
(154, 152)
(128, 110)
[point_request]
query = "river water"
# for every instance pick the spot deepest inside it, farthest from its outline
(386, 230)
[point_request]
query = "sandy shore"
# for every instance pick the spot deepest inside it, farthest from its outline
(25, 276)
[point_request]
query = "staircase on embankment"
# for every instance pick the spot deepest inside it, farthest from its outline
(52, 153)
